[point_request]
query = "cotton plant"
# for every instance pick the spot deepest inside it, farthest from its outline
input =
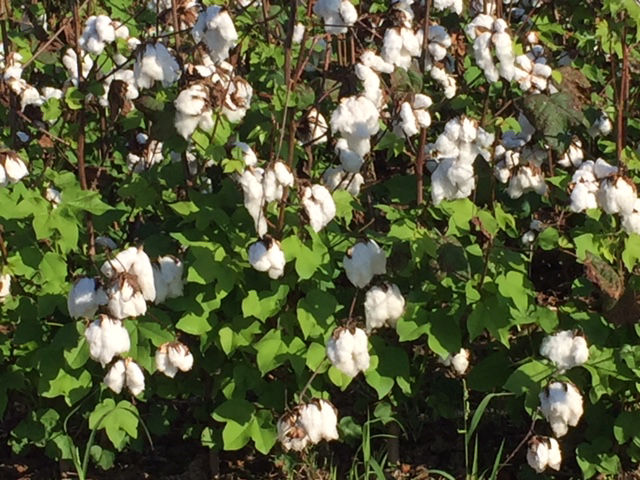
(489, 33)
(12, 168)
(308, 424)
(458, 362)
(85, 298)
(106, 338)
(216, 30)
(337, 15)
(144, 153)
(172, 357)
(125, 372)
(543, 453)
(561, 405)
(413, 116)
(168, 272)
(155, 63)
(266, 255)
(565, 349)
(318, 205)
(348, 350)
(383, 306)
(363, 261)
(452, 157)
(336, 178)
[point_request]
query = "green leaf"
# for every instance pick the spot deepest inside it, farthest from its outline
(265, 304)
(514, 285)
(315, 312)
(118, 421)
(263, 433)
(271, 350)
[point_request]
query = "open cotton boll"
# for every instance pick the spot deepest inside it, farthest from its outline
(125, 298)
(574, 155)
(155, 63)
(251, 183)
(97, 31)
(356, 118)
(134, 377)
(351, 162)
(106, 338)
(248, 155)
(454, 5)
(406, 125)
(291, 434)
(298, 33)
(215, 28)
(336, 178)
(319, 205)
(446, 81)
(601, 127)
(5, 286)
(85, 297)
(53, 196)
(167, 278)
(337, 15)
(565, 349)
(602, 169)
(173, 356)
(383, 306)
(363, 261)
(617, 195)
(311, 419)
(115, 377)
(526, 179)
(313, 128)
(348, 350)
(136, 263)
(329, 420)
(13, 166)
(583, 197)
(193, 109)
(543, 453)
(375, 62)
(238, 100)
(504, 51)
(459, 361)
(631, 221)
(561, 405)
(266, 255)
(451, 180)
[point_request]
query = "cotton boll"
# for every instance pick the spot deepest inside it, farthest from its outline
(583, 197)
(544, 452)
(574, 155)
(155, 63)
(266, 255)
(459, 361)
(14, 167)
(338, 178)
(351, 162)
(527, 178)
(631, 221)
(406, 125)
(125, 299)
(298, 33)
(248, 155)
(310, 418)
(167, 278)
(601, 127)
(115, 377)
(291, 434)
(482, 55)
(565, 349)
(107, 338)
(529, 237)
(348, 351)
(617, 195)
(370, 59)
(134, 377)
(363, 261)
(171, 357)
(5, 286)
(602, 169)
(329, 420)
(163, 364)
(215, 28)
(561, 404)
(85, 297)
(319, 205)
(383, 306)
(251, 182)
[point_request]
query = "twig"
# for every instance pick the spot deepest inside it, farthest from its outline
(623, 93)
(423, 131)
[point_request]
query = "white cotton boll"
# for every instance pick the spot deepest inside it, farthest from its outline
(525, 180)
(363, 261)
(106, 338)
(617, 195)
(215, 28)
(143, 272)
(631, 221)
(193, 100)
(348, 12)
(561, 405)
(458, 361)
(392, 49)
(583, 197)
(565, 349)
(351, 162)
(163, 364)
(528, 237)
(482, 55)
(180, 356)
(601, 127)
(370, 82)
(574, 155)
(406, 126)
(85, 297)
(319, 205)
(14, 167)
(115, 377)
(348, 351)
(125, 300)
(134, 377)
(329, 420)
(248, 155)
(602, 169)
(258, 256)
(338, 178)
(544, 452)
(290, 433)
(267, 256)
(504, 52)
(283, 174)
(167, 278)
(272, 189)
(155, 63)
(383, 306)
(448, 82)
(251, 182)
(298, 33)
(356, 116)
(480, 24)
(5, 286)
(311, 419)
(370, 59)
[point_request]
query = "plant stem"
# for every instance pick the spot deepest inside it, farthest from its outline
(423, 131)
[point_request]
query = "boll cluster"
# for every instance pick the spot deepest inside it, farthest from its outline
(107, 338)
(308, 424)
(215, 29)
(5, 286)
(173, 356)
(529, 236)
(363, 261)
(125, 372)
(488, 32)
(12, 168)
(144, 153)
(348, 350)
(401, 43)
(453, 155)
(261, 186)
(193, 110)
(337, 15)
(565, 349)
(531, 70)
(12, 75)
(85, 297)
(266, 255)
(335, 178)
(319, 206)
(459, 362)
(167, 278)
(413, 116)
(155, 63)
(561, 405)
(383, 306)
(543, 453)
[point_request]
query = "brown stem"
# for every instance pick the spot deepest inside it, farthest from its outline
(3, 246)
(423, 131)
(623, 93)
(176, 25)
(13, 98)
